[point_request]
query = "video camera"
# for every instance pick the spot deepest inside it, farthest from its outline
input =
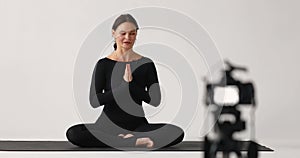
(226, 95)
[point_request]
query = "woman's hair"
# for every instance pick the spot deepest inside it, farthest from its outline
(121, 19)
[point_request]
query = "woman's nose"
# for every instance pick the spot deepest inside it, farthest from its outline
(127, 35)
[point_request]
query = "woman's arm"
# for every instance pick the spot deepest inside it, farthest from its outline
(152, 95)
(98, 96)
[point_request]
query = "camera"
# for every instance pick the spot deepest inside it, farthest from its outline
(226, 95)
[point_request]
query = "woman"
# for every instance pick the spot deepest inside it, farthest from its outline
(121, 82)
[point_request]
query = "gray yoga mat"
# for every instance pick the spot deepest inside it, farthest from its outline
(67, 146)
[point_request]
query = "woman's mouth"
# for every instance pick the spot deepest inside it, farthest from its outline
(127, 42)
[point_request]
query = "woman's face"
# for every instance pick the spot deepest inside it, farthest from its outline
(125, 35)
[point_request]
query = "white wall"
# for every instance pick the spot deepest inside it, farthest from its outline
(40, 41)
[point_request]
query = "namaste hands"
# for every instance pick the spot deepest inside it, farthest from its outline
(127, 74)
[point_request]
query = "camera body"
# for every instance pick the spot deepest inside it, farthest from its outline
(242, 95)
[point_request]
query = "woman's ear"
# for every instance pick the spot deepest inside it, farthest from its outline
(113, 33)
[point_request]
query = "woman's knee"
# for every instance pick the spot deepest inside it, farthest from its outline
(178, 134)
(176, 129)
(73, 132)
(174, 132)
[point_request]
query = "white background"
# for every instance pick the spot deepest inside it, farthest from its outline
(40, 40)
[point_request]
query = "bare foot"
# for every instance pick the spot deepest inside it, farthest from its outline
(121, 135)
(144, 142)
(128, 135)
(125, 136)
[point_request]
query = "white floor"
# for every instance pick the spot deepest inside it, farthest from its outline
(290, 153)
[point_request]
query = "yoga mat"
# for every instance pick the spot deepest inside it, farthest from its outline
(67, 146)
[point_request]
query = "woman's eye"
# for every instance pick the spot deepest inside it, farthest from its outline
(133, 33)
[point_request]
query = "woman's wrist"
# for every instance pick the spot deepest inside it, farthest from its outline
(127, 79)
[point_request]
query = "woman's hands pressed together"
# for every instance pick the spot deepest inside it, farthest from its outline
(127, 74)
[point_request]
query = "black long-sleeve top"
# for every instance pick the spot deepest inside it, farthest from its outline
(122, 100)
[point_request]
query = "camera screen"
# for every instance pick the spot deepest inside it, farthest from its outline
(228, 95)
